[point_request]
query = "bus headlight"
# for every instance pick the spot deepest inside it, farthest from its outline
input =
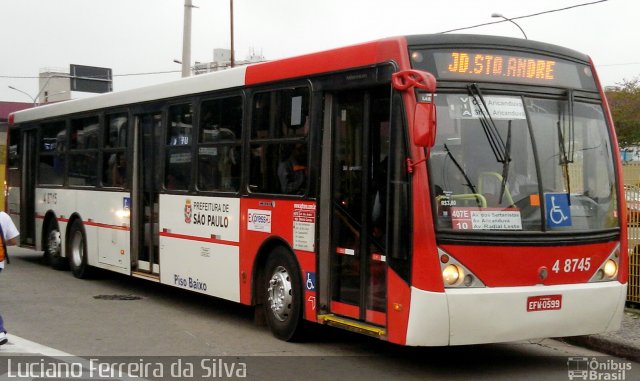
(455, 274)
(452, 275)
(610, 268)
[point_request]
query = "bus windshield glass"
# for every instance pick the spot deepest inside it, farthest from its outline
(521, 163)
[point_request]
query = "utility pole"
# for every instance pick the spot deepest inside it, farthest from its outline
(186, 39)
(233, 60)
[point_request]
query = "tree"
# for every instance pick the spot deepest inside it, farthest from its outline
(624, 101)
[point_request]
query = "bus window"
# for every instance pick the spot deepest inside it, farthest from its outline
(178, 153)
(13, 158)
(83, 152)
(221, 120)
(178, 169)
(84, 133)
(180, 125)
(53, 140)
(281, 114)
(219, 144)
(116, 131)
(279, 131)
(83, 168)
(14, 149)
(114, 158)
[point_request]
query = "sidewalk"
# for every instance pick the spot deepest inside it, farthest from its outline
(623, 343)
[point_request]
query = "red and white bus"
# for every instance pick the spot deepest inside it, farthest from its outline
(428, 190)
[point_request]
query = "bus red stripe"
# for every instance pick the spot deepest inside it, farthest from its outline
(91, 223)
(106, 226)
(196, 238)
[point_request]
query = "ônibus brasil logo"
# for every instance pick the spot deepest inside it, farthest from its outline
(187, 211)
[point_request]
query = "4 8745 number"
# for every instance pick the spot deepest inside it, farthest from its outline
(571, 265)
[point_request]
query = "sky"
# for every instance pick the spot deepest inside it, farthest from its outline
(144, 36)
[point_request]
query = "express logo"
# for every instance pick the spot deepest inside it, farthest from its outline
(187, 211)
(259, 220)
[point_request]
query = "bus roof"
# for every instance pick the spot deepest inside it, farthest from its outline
(289, 68)
(264, 72)
(192, 85)
(478, 40)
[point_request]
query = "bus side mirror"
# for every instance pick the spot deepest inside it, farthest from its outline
(424, 116)
(424, 125)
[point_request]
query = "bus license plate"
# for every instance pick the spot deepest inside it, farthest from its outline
(544, 303)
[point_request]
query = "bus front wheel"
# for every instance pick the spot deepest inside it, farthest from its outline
(77, 250)
(282, 293)
(52, 247)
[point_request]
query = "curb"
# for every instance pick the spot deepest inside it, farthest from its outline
(622, 343)
(603, 344)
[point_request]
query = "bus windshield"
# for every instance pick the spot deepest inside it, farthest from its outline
(521, 163)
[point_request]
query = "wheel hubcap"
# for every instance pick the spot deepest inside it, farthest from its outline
(54, 242)
(280, 294)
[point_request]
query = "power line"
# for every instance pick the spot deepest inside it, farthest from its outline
(446, 31)
(149, 73)
(115, 75)
(525, 16)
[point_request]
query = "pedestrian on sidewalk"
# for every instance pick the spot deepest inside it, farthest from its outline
(8, 233)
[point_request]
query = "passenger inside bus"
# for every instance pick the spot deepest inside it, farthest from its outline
(293, 172)
(117, 170)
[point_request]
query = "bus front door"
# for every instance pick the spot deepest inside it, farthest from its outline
(145, 194)
(360, 131)
(28, 189)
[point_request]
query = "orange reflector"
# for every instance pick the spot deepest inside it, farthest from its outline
(397, 307)
(534, 200)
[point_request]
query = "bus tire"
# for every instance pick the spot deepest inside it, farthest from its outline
(53, 246)
(282, 295)
(77, 250)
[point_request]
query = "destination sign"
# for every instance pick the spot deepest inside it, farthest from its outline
(491, 65)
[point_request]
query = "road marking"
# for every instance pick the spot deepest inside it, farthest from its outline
(19, 347)
(17, 344)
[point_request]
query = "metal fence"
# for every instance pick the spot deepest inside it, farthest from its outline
(631, 175)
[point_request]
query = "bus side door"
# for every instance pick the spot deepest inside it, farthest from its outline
(359, 121)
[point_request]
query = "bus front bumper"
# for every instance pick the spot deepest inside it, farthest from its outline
(491, 315)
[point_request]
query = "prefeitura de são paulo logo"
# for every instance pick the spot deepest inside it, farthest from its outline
(187, 211)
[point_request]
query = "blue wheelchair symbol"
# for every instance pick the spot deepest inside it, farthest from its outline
(557, 209)
(311, 281)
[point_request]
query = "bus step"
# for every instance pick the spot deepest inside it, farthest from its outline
(352, 325)
(147, 276)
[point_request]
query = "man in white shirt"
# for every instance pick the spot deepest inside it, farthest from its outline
(9, 235)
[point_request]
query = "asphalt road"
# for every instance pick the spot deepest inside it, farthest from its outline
(90, 318)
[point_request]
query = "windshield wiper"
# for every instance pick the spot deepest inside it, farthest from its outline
(564, 160)
(488, 125)
(505, 165)
(501, 150)
(566, 141)
(572, 128)
(464, 174)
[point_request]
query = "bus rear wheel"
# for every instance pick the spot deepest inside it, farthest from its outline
(77, 250)
(282, 295)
